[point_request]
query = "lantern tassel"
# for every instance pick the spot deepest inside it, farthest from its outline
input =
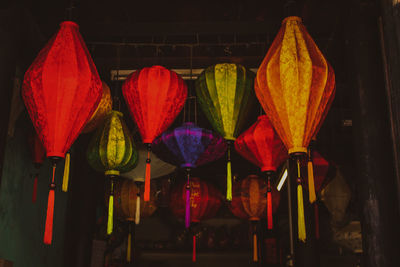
(137, 212)
(269, 210)
(311, 186)
(194, 249)
(66, 172)
(129, 247)
(34, 191)
(316, 215)
(110, 215)
(229, 175)
(255, 249)
(300, 214)
(187, 213)
(48, 232)
(147, 177)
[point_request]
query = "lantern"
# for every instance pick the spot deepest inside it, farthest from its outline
(262, 146)
(225, 93)
(112, 151)
(154, 96)
(295, 85)
(205, 202)
(38, 153)
(61, 91)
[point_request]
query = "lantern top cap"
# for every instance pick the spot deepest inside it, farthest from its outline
(69, 24)
(292, 18)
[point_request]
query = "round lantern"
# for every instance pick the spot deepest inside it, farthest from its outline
(154, 96)
(38, 154)
(225, 93)
(295, 85)
(61, 91)
(249, 202)
(112, 151)
(262, 146)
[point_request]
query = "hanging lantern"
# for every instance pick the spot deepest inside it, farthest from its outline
(129, 207)
(225, 93)
(38, 153)
(262, 146)
(249, 202)
(204, 199)
(112, 151)
(154, 96)
(61, 91)
(295, 85)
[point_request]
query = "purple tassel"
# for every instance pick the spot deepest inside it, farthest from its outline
(187, 214)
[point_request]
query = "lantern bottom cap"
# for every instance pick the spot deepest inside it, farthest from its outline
(147, 141)
(268, 169)
(297, 150)
(292, 18)
(111, 172)
(254, 219)
(230, 138)
(55, 155)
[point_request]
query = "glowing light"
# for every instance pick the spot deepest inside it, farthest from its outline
(282, 180)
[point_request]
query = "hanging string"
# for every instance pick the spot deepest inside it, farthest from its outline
(300, 206)
(34, 191)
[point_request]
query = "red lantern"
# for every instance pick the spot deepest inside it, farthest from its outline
(38, 154)
(155, 96)
(61, 91)
(204, 199)
(261, 145)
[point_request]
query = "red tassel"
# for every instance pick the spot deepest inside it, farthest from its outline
(48, 232)
(194, 248)
(147, 178)
(269, 210)
(34, 192)
(316, 215)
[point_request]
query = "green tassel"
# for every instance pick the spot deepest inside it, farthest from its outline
(229, 182)
(110, 215)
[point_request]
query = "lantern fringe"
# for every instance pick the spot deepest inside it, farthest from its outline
(110, 215)
(187, 212)
(137, 211)
(48, 232)
(128, 248)
(229, 181)
(34, 191)
(147, 178)
(316, 215)
(269, 210)
(194, 249)
(66, 172)
(300, 214)
(311, 186)
(255, 249)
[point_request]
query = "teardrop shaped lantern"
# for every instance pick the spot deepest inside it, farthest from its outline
(225, 93)
(261, 145)
(112, 151)
(249, 202)
(61, 91)
(295, 85)
(38, 154)
(154, 96)
(205, 201)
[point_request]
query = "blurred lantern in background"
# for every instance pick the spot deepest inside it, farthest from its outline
(205, 201)
(249, 202)
(262, 146)
(112, 151)
(61, 91)
(38, 154)
(154, 96)
(295, 85)
(225, 93)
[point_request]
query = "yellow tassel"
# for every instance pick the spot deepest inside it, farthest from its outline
(137, 211)
(229, 182)
(128, 249)
(255, 249)
(66, 172)
(311, 186)
(300, 214)
(110, 215)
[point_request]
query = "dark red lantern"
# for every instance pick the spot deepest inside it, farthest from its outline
(61, 91)
(155, 96)
(205, 201)
(38, 154)
(261, 145)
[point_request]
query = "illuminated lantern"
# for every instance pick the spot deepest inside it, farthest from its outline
(38, 153)
(262, 146)
(112, 151)
(61, 91)
(205, 201)
(295, 85)
(225, 93)
(128, 207)
(154, 96)
(249, 202)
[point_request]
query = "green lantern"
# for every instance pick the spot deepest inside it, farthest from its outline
(225, 93)
(112, 151)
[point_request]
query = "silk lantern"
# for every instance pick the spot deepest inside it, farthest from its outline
(154, 96)
(295, 85)
(189, 146)
(61, 91)
(38, 154)
(205, 201)
(261, 145)
(225, 93)
(112, 151)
